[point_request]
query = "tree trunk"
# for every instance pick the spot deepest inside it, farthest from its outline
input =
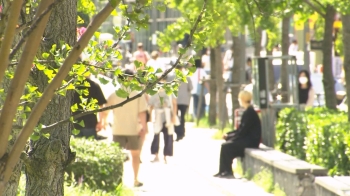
(328, 79)
(257, 41)
(346, 42)
(271, 69)
(47, 158)
(12, 185)
(220, 88)
(238, 47)
(213, 90)
(285, 45)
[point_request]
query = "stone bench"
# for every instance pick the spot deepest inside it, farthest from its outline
(294, 176)
(332, 186)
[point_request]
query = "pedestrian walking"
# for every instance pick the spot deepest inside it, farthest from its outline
(129, 125)
(183, 100)
(165, 108)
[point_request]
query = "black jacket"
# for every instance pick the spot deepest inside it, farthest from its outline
(249, 130)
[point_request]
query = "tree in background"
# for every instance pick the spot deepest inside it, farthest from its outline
(41, 77)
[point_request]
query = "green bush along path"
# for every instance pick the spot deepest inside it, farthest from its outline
(319, 136)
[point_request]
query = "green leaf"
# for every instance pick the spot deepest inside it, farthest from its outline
(122, 93)
(45, 55)
(118, 72)
(35, 136)
(103, 80)
(138, 64)
(74, 108)
(28, 109)
(97, 35)
(114, 13)
(46, 135)
(82, 123)
(10, 137)
(192, 69)
(31, 88)
(75, 131)
(113, 3)
(70, 87)
(40, 66)
(161, 7)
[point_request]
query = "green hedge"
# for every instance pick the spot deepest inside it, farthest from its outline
(318, 135)
(98, 164)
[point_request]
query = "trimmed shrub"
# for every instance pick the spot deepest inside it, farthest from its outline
(291, 130)
(98, 164)
(318, 135)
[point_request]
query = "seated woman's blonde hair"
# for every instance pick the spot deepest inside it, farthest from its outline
(246, 96)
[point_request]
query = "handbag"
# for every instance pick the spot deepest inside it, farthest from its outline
(177, 120)
(200, 85)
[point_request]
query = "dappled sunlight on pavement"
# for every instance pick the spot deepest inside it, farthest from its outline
(189, 172)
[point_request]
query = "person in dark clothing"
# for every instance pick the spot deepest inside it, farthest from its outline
(247, 135)
(306, 92)
(91, 123)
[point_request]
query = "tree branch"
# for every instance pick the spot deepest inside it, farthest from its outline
(34, 24)
(49, 92)
(320, 4)
(315, 8)
(9, 36)
(148, 87)
(20, 78)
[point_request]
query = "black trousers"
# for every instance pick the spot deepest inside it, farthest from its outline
(180, 130)
(168, 143)
(229, 151)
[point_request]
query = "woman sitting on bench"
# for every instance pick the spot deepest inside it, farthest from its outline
(247, 135)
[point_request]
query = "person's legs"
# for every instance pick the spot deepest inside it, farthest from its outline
(168, 143)
(202, 111)
(135, 158)
(229, 151)
(122, 141)
(195, 105)
(181, 128)
(134, 145)
(155, 147)
(178, 128)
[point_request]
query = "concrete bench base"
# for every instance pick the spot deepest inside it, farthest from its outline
(332, 186)
(294, 176)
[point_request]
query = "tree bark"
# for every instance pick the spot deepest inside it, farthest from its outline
(47, 158)
(220, 88)
(285, 45)
(328, 79)
(346, 43)
(271, 69)
(213, 89)
(238, 46)
(257, 42)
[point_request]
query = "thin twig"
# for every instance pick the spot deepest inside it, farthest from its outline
(34, 25)
(20, 104)
(149, 86)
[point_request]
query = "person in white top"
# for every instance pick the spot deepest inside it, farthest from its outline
(154, 62)
(206, 61)
(227, 62)
(196, 78)
(293, 50)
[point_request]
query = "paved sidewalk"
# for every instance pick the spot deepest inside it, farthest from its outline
(189, 172)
